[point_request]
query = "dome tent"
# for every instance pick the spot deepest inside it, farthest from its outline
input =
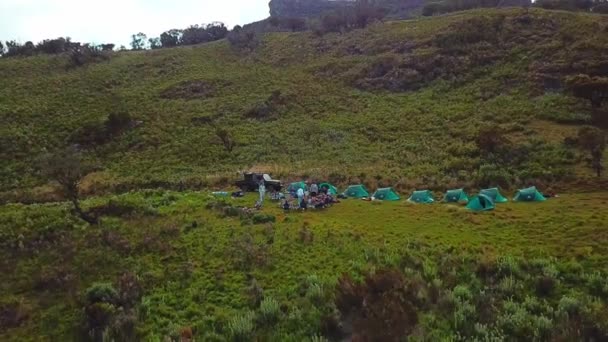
(293, 187)
(481, 202)
(386, 194)
(356, 191)
(422, 196)
(530, 194)
(332, 190)
(455, 196)
(494, 194)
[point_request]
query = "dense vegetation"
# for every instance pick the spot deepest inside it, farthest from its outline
(398, 103)
(169, 264)
(486, 97)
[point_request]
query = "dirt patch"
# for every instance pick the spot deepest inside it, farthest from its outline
(195, 89)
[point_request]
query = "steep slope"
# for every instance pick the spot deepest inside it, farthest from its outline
(398, 102)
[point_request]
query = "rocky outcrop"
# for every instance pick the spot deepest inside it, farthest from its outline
(304, 8)
(313, 8)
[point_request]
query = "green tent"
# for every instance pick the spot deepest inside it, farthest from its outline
(332, 190)
(386, 194)
(356, 191)
(529, 195)
(481, 202)
(423, 196)
(455, 196)
(494, 194)
(293, 187)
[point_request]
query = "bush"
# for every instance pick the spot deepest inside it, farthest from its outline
(101, 293)
(241, 327)
(263, 218)
(243, 39)
(569, 306)
(269, 310)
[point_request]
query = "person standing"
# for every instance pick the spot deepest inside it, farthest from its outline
(314, 190)
(262, 190)
(300, 194)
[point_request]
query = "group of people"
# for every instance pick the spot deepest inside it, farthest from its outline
(309, 196)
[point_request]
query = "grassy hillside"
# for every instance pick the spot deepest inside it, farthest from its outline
(190, 263)
(397, 103)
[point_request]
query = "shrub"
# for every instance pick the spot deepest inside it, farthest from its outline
(101, 293)
(462, 292)
(269, 310)
(569, 306)
(263, 218)
(508, 266)
(508, 286)
(315, 293)
(241, 327)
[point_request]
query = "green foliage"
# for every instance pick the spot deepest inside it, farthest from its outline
(269, 310)
(101, 293)
(241, 327)
(263, 218)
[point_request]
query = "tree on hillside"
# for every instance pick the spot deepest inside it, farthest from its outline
(366, 12)
(171, 38)
(1, 48)
(295, 24)
(107, 47)
(593, 140)
(67, 168)
(138, 41)
(217, 30)
(594, 89)
(155, 43)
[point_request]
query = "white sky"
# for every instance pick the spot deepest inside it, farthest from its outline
(114, 21)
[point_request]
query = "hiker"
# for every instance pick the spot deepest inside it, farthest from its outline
(300, 194)
(314, 189)
(285, 205)
(262, 190)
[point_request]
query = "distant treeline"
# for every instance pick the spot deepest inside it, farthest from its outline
(48, 46)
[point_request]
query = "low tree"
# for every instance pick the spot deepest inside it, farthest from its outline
(67, 168)
(138, 41)
(593, 140)
(1, 48)
(171, 38)
(217, 30)
(107, 47)
(155, 43)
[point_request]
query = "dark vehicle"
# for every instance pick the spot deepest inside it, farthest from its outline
(250, 182)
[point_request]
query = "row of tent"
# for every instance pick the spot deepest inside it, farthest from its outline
(485, 200)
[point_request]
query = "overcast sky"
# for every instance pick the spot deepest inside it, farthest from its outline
(114, 21)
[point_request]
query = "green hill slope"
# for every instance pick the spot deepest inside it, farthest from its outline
(398, 102)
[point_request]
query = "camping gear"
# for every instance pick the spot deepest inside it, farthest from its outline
(481, 202)
(356, 191)
(456, 196)
(331, 190)
(530, 194)
(386, 194)
(293, 187)
(494, 194)
(220, 193)
(238, 194)
(422, 196)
